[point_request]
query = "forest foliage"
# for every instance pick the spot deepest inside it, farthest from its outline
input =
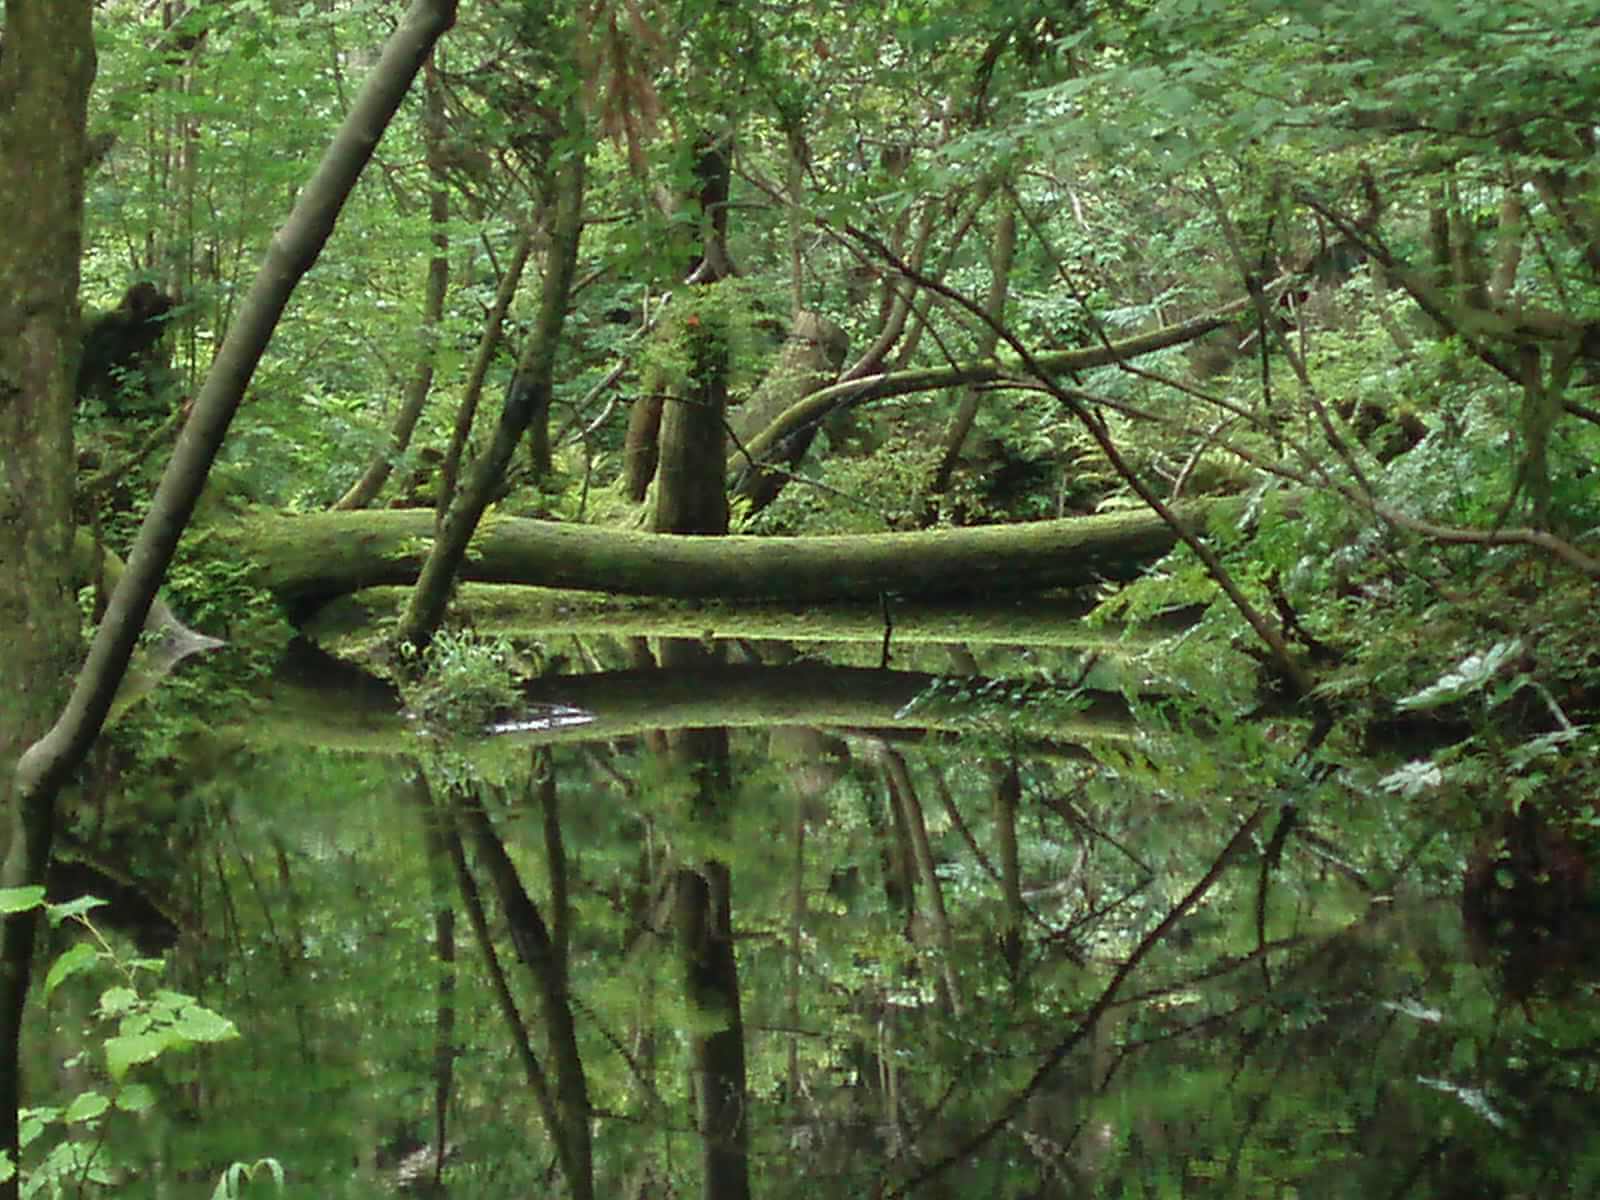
(1389, 217)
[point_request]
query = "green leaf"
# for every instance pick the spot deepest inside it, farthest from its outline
(117, 1000)
(73, 908)
(238, 1174)
(199, 1024)
(86, 1107)
(76, 959)
(20, 899)
(1472, 674)
(125, 1052)
(136, 1098)
(32, 1123)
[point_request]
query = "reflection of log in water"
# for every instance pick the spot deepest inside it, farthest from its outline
(535, 612)
(345, 709)
(816, 694)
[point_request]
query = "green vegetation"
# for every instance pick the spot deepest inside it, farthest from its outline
(1232, 364)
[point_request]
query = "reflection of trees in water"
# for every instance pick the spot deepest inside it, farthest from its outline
(1076, 977)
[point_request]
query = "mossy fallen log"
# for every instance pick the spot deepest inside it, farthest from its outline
(307, 560)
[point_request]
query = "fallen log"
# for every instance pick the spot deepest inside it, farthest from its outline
(309, 559)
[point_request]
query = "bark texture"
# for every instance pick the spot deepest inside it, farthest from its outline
(292, 252)
(810, 360)
(309, 559)
(45, 76)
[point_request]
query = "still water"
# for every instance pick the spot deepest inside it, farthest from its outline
(949, 913)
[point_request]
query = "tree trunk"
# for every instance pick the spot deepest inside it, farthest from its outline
(809, 361)
(613, 705)
(488, 343)
(569, 1114)
(639, 446)
(690, 490)
(436, 846)
(45, 75)
(903, 795)
(309, 559)
(691, 495)
(856, 387)
(528, 392)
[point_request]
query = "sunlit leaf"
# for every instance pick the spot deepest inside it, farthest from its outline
(125, 1052)
(1472, 674)
(1413, 779)
(86, 1107)
(1473, 1098)
(20, 899)
(76, 958)
(199, 1024)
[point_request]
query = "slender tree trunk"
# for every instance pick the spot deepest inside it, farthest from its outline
(639, 446)
(904, 795)
(45, 74)
(365, 490)
(1007, 794)
(488, 343)
(528, 392)
(539, 952)
(437, 847)
(516, 1029)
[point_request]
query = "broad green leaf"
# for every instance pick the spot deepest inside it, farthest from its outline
(117, 1000)
(20, 899)
(33, 1122)
(73, 908)
(136, 1098)
(77, 958)
(86, 1107)
(200, 1024)
(125, 1052)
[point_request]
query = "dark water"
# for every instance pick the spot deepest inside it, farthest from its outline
(997, 929)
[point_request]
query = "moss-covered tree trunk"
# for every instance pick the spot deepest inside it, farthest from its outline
(309, 559)
(690, 496)
(45, 75)
(690, 491)
(810, 360)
